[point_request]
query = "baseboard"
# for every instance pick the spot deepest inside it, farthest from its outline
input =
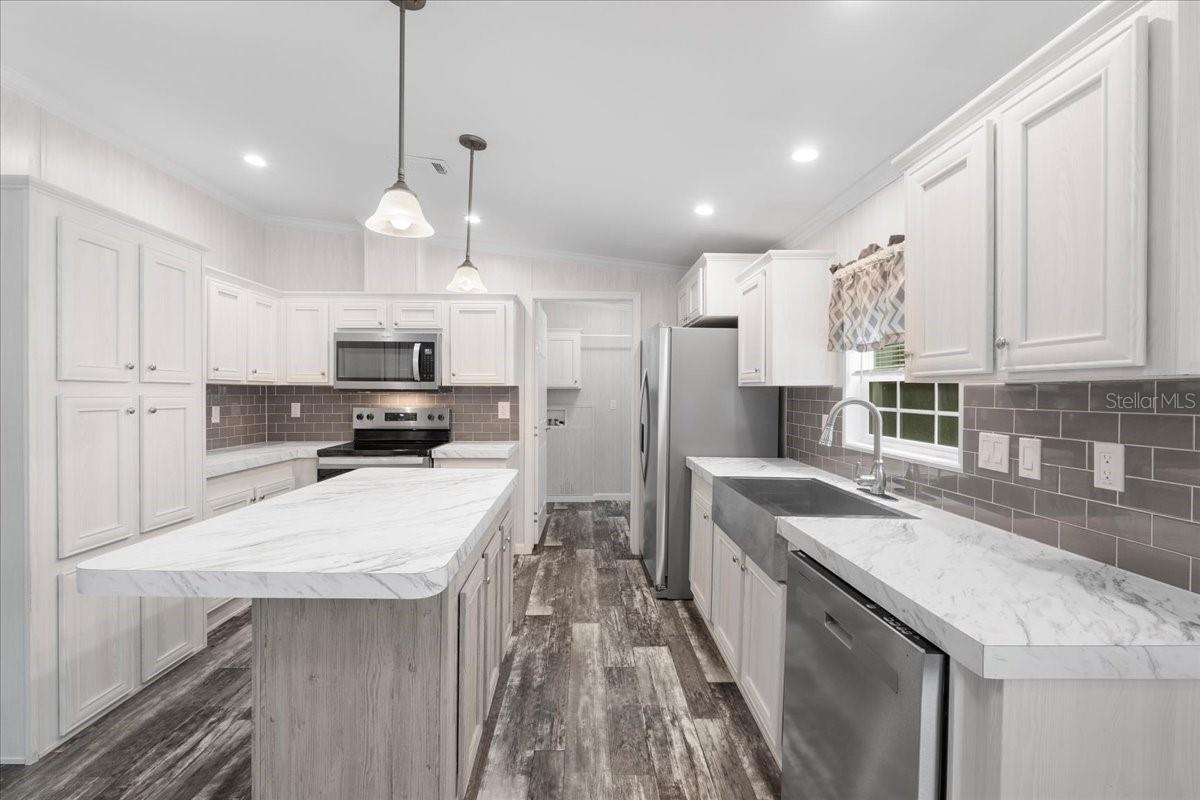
(522, 549)
(617, 496)
(587, 498)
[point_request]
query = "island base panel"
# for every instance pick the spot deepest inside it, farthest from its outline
(347, 699)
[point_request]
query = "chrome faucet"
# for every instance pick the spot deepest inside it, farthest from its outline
(876, 481)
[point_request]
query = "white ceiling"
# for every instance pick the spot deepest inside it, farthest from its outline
(606, 121)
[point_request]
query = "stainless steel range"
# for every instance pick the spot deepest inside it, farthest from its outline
(388, 437)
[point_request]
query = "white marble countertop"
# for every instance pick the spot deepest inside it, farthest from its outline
(1002, 605)
(501, 450)
(371, 533)
(236, 459)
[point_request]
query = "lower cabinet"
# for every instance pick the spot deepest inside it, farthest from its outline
(172, 629)
(747, 616)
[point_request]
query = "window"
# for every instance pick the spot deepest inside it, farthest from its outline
(921, 421)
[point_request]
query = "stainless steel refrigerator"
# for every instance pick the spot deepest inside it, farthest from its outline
(691, 406)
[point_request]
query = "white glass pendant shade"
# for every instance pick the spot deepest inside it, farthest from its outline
(466, 279)
(399, 214)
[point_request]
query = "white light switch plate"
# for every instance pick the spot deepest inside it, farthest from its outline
(295, 409)
(1029, 458)
(503, 409)
(993, 451)
(216, 414)
(1109, 469)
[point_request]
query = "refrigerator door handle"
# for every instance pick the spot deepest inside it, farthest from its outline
(663, 461)
(644, 419)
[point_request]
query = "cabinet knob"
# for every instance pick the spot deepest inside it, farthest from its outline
(704, 515)
(322, 373)
(151, 410)
(733, 559)
(488, 579)
(129, 365)
(381, 323)
(253, 372)
(131, 410)
(152, 367)
(1001, 343)
(216, 369)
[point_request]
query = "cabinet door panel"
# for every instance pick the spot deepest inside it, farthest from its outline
(226, 333)
(417, 314)
(171, 630)
(1071, 254)
(170, 312)
(358, 314)
(97, 639)
(97, 472)
(701, 555)
(306, 341)
(727, 598)
(478, 343)
(506, 584)
(97, 303)
(492, 637)
(171, 456)
(948, 259)
(752, 329)
(262, 338)
(274, 489)
(472, 664)
(763, 629)
(564, 349)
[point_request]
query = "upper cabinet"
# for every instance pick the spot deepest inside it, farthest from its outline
(423, 314)
(226, 332)
(1049, 215)
(783, 312)
(564, 364)
(306, 341)
(708, 293)
(948, 258)
(262, 338)
(364, 314)
(170, 315)
(1071, 202)
(480, 343)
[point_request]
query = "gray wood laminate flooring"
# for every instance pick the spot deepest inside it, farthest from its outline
(605, 692)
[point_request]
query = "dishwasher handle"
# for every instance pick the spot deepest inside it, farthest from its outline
(841, 634)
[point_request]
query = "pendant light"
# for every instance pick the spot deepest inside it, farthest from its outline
(399, 213)
(466, 277)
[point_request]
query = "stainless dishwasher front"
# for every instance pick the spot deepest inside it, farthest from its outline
(864, 696)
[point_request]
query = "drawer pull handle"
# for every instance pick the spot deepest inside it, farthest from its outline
(151, 410)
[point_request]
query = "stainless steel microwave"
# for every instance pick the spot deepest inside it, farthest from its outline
(387, 360)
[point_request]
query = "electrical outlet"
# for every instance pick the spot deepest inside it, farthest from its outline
(216, 414)
(1109, 466)
(993, 452)
(295, 409)
(504, 409)
(1029, 458)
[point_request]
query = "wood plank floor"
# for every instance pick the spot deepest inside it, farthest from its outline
(605, 692)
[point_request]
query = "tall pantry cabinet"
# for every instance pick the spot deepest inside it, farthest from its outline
(103, 438)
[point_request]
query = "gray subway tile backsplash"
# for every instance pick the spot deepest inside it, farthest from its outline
(1152, 528)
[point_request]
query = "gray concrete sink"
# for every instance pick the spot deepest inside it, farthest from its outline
(746, 509)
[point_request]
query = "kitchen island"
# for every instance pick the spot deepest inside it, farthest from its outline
(364, 588)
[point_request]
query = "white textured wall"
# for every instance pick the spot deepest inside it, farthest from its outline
(591, 455)
(872, 220)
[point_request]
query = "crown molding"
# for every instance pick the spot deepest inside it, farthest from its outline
(23, 86)
(881, 175)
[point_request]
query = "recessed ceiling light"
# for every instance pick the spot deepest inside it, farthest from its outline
(704, 210)
(805, 154)
(472, 219)
(254, 160)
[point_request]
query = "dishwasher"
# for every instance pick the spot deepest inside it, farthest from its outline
(864, 696)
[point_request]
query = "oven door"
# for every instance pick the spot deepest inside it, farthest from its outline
(403, 361)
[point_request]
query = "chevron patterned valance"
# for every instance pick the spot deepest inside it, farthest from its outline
(866, 303)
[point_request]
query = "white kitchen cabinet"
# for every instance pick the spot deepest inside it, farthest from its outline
(565, 359)
(306, 341)
(764, 611)
(170, 318)
(97, 648)
(226, 333)
(172, 628)
(472, 668)
(364, 314)
(419, 314)
(727, 598)
(479, 343)
(214, 506)
(506, 583)
(493, 635)
(1071, 212)
(274, 489)
(262, 338)
(948, 254)
(783, 319)
(171, 459)
(700, 558)
(708, 292)
(97, 471)
(97, 271)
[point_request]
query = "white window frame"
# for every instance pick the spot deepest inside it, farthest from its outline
(856, 432)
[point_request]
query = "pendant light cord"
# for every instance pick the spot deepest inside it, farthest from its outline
(400, 136)
(470, 202)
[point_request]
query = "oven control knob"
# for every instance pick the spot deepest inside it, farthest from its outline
(441, 417)
(358, 416)
(429, 416)
(370, 416)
